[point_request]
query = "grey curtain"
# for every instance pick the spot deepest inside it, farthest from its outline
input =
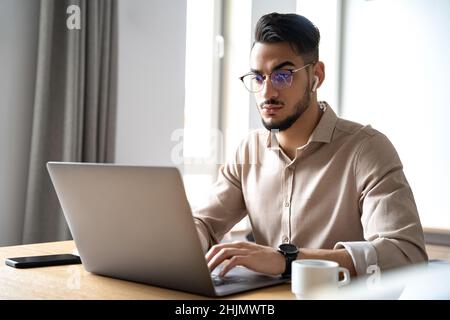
(74, 106)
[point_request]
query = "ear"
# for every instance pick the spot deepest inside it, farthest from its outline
(319, 75)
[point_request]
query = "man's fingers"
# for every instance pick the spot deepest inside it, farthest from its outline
(212, 252)
(255, 257)
(223, 254)
(230, 264)
(216, 248)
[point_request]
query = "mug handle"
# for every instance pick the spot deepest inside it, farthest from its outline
(346, 279)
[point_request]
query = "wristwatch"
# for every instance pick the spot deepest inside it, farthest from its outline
(289, 251)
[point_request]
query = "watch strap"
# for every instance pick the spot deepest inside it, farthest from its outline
(287, 271)
(289, 257)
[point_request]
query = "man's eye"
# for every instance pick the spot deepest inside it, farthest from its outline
(258, 78)
(281, 76)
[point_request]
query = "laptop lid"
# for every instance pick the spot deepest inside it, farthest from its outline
(135, 223)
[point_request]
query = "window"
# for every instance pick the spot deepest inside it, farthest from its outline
(395, 77)
(201, 137)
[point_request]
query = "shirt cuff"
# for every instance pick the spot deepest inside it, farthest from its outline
(363, 254)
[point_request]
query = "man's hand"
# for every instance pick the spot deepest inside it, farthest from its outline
(248, 254)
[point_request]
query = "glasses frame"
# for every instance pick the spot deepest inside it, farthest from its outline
(269, 76)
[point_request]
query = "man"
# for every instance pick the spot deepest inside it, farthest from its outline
(313, 185)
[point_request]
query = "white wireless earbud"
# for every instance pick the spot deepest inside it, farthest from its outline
(316, 82)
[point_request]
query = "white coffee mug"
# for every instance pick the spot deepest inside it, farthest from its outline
(309, 275)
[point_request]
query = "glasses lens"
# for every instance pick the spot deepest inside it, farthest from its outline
(281, 78)
(253, 82)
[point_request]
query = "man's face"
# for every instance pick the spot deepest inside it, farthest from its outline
(280, 108)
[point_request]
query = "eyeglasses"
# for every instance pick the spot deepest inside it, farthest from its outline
(280, 79)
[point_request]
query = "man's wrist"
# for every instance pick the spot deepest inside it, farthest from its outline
(290, 253)
(281, 262)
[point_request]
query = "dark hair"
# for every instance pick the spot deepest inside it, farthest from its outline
(298, 31)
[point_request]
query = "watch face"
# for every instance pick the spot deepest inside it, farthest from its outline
(288, 248)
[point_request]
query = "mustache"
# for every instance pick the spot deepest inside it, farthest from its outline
(271, 101)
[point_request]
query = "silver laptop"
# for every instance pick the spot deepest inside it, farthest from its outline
(135, 223)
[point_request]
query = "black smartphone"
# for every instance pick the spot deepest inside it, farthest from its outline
(43, 261)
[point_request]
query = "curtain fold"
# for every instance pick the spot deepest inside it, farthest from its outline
(74, 115)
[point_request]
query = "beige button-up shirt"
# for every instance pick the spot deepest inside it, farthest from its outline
(344, 189)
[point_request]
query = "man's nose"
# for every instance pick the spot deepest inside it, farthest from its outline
(268, 91)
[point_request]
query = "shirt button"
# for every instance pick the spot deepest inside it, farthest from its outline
(285, 239)
(287, 204)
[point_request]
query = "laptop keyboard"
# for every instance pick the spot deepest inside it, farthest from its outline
(219, 281)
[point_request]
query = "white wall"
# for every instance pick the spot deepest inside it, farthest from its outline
(396, 72)
(18, 47)
(326, 14)
(152, 42)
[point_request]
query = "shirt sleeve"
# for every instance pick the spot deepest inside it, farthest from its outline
(391, 224)
(363, 254)
(225, 206)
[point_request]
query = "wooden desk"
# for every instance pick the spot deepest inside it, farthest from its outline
(73, 282)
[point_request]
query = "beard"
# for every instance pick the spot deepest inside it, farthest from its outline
(286, 123)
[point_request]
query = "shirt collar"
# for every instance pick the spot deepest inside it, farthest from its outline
(323, 132)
